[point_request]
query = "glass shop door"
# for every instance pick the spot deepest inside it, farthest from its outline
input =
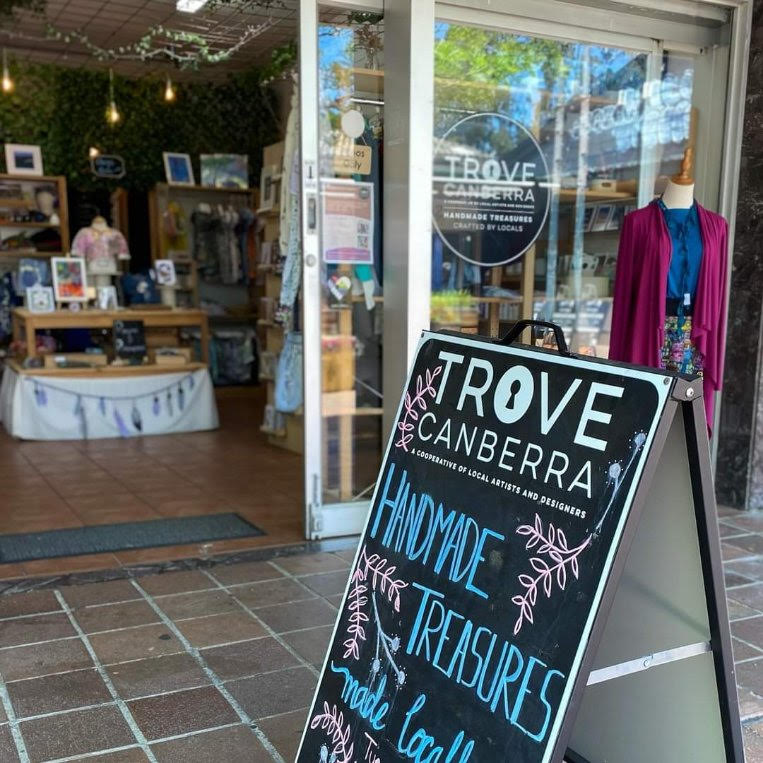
(342, 109)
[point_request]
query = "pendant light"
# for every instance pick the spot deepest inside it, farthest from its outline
(7, 82)
(112, 113)
(169, 91)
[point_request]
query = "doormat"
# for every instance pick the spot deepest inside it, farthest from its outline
(98, 539)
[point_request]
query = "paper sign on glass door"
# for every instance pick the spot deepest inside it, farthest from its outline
(348, 222)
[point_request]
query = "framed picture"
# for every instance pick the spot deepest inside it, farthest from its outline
(224, 170)
(21, 159)
(106, 297)
(267, 188)
(69, 279)
(178, 169)
(588, 215)
(616, 218)
(601, 217)
(165, 272)
(40, 299)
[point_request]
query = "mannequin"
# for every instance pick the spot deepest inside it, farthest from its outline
(101, 246)
(669, 303)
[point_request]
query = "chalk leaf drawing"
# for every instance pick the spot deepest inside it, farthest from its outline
(413, 406)
(375, 572)
(554, 545)
(331, 720)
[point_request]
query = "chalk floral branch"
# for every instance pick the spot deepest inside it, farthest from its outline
(413, 406)
(331, 720)
(376, 572)
(554, 545)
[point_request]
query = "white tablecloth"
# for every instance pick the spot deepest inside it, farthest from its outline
(69, 408)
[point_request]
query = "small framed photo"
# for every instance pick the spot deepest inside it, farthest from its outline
(224, 170)
(22, 159)
(165, 272)
(267, 188)
(616, 218)
(40, 299)
(178, 169)
(588, 215)
(106, 297)
(601, 217)
(69, 279)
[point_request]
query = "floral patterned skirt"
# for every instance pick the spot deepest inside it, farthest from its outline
(679, 354)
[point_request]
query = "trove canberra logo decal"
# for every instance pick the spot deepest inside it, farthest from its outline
(491, 189)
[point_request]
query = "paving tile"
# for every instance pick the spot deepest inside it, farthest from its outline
(743, 651)
(175, 582)
(110, 616)
(27, 630)
(750, 705)
(8, 753)
(750, 676)
(273, 693)
(298, 615)
(247, 658)
(306, 564)
(133, 755)
(729, 552)
(237, 743)
(30, 603)
(348, 554)
(751, 595)
(732, 580)
(247, 572)
(220, 629)
(285, 732)
(42, 659)
(134, 644)
(750, 544)
(108, 592)
(737, 610)
(311, 644)
(335, 601)
(271, 592)
(69, 564)
(61, 736)
(753, 742)
(327, 583)
(50, 694)
(726, 531)
(181, 712)
(186, 605)
(751, 568)
(157, 675)
(749, 520)
(749, 630)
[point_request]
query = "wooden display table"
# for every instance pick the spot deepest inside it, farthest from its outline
(26, 324)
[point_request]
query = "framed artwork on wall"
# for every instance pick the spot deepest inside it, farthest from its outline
(224, 170)
(178, 169)
(21, 159)
(69, 279)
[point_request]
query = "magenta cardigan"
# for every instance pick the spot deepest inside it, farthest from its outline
(641, 280)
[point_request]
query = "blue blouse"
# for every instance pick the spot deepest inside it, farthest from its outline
(686, 256)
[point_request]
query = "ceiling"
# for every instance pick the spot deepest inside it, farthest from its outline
(113, 23)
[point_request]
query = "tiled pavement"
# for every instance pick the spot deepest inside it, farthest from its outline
(219, 664)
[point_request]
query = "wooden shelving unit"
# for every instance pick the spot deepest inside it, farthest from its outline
(18, 198)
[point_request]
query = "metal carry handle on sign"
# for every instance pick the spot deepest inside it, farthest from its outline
(516, 331)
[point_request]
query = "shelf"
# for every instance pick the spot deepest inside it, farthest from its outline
(4, 224)
(202, 189)
(22, 253)
(101, 371)
(19, 203)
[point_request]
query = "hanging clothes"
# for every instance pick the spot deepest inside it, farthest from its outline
(641, 282)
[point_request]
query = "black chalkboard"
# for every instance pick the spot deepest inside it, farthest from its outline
(130, 340)
(496, 518)
(108, 166)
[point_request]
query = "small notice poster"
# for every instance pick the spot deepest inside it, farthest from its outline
(348, 222)
(498, 511)
(491, 189)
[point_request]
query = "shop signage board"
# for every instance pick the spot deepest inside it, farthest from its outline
(130, 340)
(491, 189)
(348, 221)
(539, 578)
(108, 166)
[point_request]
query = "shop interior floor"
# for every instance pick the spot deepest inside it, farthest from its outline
(220, 663)
(57, 485)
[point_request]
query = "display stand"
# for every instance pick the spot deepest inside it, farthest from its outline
(542, 559)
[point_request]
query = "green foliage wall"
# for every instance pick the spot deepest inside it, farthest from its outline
(64, 111)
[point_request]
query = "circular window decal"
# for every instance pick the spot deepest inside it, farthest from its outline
(491, 189)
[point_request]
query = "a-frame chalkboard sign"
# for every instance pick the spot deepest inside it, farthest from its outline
(540, 575)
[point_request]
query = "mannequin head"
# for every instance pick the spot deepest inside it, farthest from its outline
(679, 192)
(45, 200)
(99, 223)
